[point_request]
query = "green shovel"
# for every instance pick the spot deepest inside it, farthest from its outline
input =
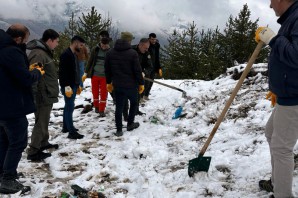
(202, 163)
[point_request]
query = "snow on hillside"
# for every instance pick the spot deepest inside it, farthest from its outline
(152, 161)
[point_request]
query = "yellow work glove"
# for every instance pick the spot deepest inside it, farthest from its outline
(79, 90)
(41, 70)
(35, 65)
(84, 77)
(160, 72)
(110, 88)
(272, 97)
(264, 34)
(68, 91)
(141, 89)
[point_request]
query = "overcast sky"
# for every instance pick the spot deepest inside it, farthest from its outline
(152, 15)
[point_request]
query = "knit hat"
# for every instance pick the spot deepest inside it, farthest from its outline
(127, 36)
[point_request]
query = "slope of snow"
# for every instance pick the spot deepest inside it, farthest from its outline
(152, 161)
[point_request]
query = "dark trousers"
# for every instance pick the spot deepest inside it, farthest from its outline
(68, 109)
(13, 141)
(121, 96)
(148, 84)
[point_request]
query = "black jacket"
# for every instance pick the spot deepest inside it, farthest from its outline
(154, 52)
(122, 66)
(15, 80)
(69, 69)
(145, 61)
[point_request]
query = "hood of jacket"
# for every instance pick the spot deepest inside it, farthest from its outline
(5, 40)
(122, 45)
(38, 44)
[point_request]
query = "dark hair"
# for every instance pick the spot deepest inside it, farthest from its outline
(104, 33)
(105, 40)
(144, 40)
(77, 38)
(49, 34)
(18, 30)
(153, 35)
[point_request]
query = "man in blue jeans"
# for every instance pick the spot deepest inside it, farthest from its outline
(15, 103)
(69, 78)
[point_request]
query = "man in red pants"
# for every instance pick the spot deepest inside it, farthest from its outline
(95, 71)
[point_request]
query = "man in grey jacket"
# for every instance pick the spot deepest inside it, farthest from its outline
(45, 93)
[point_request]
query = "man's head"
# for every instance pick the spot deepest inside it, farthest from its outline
(127, 36)
(51, 38)
(104, 34)
(280, 6)
(19, 33)
(77, 43)
(144, 45)
(152, 38)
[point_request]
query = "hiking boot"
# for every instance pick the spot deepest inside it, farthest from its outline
(266, 185)
(38, 156)
(96, 110)
(102, 114)
(133, 126)
(75, 135)
(140, 113)
(118, 133)
(10, 186)
(64, 130)
(49, 146)
(87, 108)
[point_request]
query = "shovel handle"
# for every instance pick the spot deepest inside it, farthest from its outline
(166, 85)
(229, 102)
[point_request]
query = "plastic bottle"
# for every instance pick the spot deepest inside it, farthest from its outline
(177, 113)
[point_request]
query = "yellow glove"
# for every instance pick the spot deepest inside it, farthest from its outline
(35, 65)
(68, 91)
(79, 90)
(110, 88)
(264, 34)
(41, 70)
(84, 77)
(160, 72)
(141, 89)
(271, 96)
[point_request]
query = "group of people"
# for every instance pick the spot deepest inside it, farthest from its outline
(30, 84)
(31, 80)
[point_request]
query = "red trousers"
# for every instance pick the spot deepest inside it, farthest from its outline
(99, 88)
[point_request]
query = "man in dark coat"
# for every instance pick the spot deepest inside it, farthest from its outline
(146, 64)
(124, 75)
(154, 52)
(15, 103)
(282, 127)
(45, 92)
(69, 78)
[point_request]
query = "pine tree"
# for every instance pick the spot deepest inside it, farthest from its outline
(91, 25)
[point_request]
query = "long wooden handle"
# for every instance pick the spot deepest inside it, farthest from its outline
(166, 85)
(229, 102)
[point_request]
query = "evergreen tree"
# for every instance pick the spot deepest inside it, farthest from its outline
(90, 25)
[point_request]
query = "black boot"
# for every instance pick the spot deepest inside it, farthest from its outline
(75, 135)
(49, 146)
(118, 133)
(38, 156)
(10, 186)
(132, 126)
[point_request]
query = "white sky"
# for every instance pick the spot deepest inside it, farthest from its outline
(145, 15)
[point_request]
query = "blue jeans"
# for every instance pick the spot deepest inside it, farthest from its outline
(121, 95)
(68, 109)
(13, 141)
(82, 69)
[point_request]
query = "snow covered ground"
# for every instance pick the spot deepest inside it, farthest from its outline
(152, 161)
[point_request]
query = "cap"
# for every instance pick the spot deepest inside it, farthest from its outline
(127, 36)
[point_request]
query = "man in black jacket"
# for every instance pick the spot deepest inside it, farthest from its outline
(124, 75)
(15, 103)
(69, 78)
(146, 64)
(154, 52)
(45, 92)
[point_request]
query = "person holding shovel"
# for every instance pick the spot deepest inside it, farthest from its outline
(282, 127)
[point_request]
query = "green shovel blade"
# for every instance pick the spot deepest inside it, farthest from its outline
(198, 164)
